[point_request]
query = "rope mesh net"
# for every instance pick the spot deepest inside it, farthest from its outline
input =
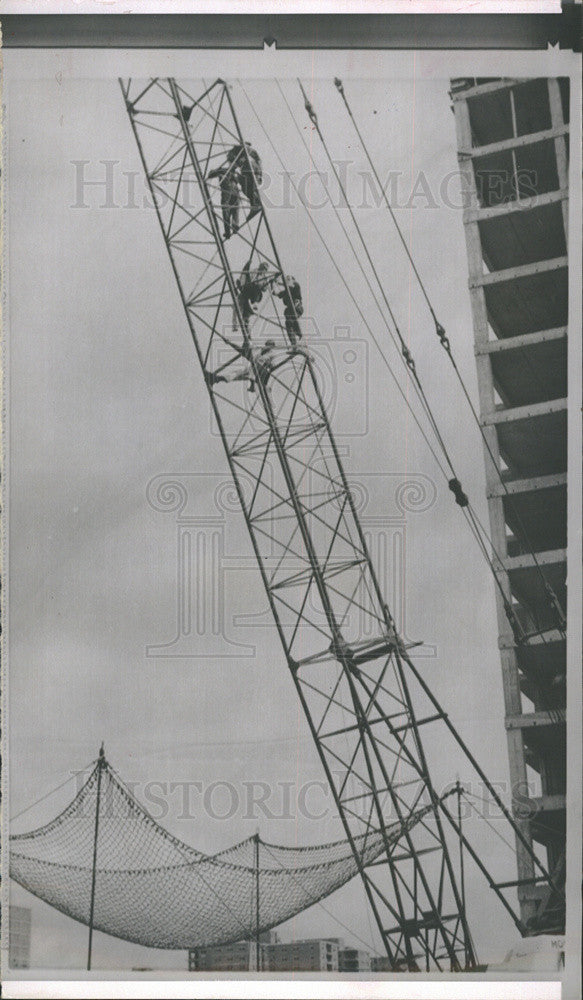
(155, 890)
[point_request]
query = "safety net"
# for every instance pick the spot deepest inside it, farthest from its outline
(151, 888)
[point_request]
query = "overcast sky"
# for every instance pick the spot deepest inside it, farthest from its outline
(106, 394)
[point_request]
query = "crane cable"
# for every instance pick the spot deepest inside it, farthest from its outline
(474, 523)
(439, 328)
(513, 621)
(404, 349)
(47, 795)
(515, 624)
(445, 343)
(476, 527)
(516, 627)
(454, 483)
(347, 287)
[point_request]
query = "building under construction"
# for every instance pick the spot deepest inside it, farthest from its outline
(513, 149)
(372, 715)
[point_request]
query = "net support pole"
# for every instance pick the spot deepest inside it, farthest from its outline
(100, 765)
(257, 941)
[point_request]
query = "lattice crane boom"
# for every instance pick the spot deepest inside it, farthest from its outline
(365, 708)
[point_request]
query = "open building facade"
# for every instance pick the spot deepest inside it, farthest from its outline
(513, 151)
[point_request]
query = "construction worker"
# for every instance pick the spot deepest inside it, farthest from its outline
(291, 296)
(250, 288)
(266, 362)
(229, 198)
(263, 357)
(250, 174)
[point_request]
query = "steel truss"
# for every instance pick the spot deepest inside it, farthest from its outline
(365, 702)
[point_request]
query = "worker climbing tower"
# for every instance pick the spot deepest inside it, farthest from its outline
(368, 709)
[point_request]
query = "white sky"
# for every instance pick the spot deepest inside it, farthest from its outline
(105, 394)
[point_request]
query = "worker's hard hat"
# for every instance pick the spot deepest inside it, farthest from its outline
(270, 343)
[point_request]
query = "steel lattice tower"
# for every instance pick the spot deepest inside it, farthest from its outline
(365, 703)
